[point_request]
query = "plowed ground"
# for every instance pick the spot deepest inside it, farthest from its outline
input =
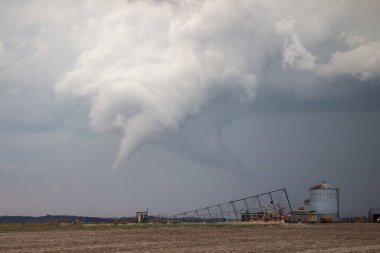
(194, 238)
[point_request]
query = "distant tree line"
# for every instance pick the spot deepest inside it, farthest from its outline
(64, 219)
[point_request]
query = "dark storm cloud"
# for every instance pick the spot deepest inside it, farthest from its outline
(180, 83)
(295, 91)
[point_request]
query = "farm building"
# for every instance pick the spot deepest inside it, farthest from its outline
(142, 217)
(321, 206)
(374, 215)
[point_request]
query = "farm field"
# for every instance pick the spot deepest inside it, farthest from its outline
(191, 238)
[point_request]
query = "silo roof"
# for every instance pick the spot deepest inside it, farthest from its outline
(323, 185)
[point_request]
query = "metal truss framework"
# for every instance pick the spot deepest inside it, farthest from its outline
(267, 206)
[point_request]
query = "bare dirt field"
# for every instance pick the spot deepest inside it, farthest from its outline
(193, 238)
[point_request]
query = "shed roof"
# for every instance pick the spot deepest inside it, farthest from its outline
(374, 210)
(323, 185)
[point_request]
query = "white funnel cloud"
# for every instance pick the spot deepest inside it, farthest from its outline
(154, 66)
(146, 67)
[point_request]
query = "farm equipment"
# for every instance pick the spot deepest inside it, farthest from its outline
(326, 219)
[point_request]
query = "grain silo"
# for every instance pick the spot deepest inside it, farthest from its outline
(324, 199)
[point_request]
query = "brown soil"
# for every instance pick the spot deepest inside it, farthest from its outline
(273, 238)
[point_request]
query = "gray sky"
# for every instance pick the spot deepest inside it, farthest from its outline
(109, 107)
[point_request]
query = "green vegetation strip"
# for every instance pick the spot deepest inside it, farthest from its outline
(15, 227)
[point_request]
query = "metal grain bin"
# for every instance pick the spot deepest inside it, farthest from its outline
(324, 199)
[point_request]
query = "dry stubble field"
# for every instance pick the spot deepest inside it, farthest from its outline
(193, 238)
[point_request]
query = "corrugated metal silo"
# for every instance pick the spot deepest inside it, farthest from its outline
(324, 199)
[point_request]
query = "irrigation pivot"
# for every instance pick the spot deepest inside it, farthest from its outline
(269, 206)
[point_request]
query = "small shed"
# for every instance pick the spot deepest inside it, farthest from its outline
(142, 217)
(374, 215)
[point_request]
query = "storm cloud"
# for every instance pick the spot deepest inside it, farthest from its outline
(154, 65)
(173, 80)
